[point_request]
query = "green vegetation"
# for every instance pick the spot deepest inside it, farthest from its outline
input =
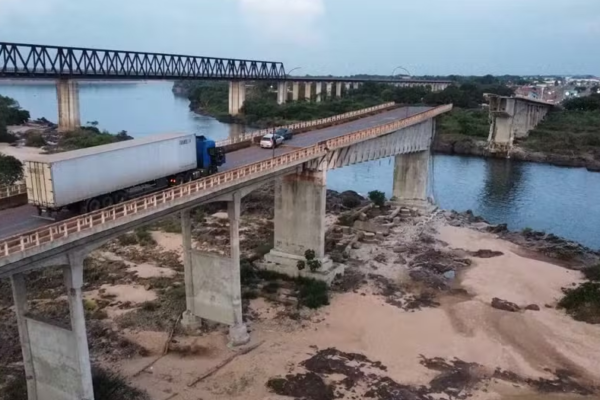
(89, 136)
(11, 170)
(567, 132)
(377, 197)
(141, 236)
(583, 302)
(473, 123)
(261, 108)
(10, 114)
(589, 103)
(35, 140)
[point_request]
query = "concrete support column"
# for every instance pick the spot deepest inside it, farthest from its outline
(67, 95)
(21, 309)
(318, 89)
(281, 92)
(300, 225)
(307, 91)
(238, 333)
(411, 173)
(338, 89)
(73, 275)
(329, 89)
(189, 320)
(237, 96)
(356, 85)
(295, 91)
(348, 86)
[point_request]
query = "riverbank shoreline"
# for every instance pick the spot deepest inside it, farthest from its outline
(462, 145)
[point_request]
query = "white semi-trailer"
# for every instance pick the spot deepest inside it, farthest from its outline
(97, 177)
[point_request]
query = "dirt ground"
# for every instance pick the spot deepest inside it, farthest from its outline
(410, 319)
(457, 346)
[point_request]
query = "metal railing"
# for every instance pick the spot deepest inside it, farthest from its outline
(305, 124)
(223, 180)
(12, 190)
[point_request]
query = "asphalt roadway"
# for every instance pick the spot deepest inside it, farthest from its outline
(24, 218)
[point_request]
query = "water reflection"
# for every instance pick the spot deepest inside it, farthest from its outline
(502, 187)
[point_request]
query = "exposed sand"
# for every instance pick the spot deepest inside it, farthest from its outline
(168, 241)
(525, 343)
(129, 293)
(144, 270)
(20, 153)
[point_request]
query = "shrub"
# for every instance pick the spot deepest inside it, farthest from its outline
(6, 137)
(144, 237)
(127, 240)
(583, 302)
(377, 197)
(35, 140)
(312, 293)
(592, 273)
(314, 265)
(301, 264)
(310, 255)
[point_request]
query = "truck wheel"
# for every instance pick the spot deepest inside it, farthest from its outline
(93, 205)
(107, 201)
(119, 197)
(180, 179)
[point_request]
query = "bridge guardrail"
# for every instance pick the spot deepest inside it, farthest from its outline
(49, 233)
(305, 124)
(12, 190)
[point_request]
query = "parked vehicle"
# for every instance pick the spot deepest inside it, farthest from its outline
(270, 140)
(285, 133)
(89, 179)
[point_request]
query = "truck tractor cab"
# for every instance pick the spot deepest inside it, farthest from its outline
(209, 157)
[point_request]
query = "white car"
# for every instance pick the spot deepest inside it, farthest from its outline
(267, 141)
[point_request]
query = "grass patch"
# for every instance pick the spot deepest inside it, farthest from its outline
(568, 133)
(592, 273)
(583, 302)
(169, 225)
(156, 315)
(474, 123)
(312, 293)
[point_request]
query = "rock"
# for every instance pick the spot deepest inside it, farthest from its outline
(400, 249)
(351, 199)
(356, 245)
(533, 307)
(362, 217)
(449, 275)
(370, 226)
(505, 305)
(498, 228)
(369, 237)
(360, 236)
(486, 253)
(221, 215)
(396, 220)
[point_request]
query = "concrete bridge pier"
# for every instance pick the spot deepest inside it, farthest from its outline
(318, 90)
(67, 96)
(56, 359)
(281, 92)
(338, 89)
(237, 96)
(296, 91)
(213, 282)
(329, 89)
(307, 91)
(300, 226)
(411, 178)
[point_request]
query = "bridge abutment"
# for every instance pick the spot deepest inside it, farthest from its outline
(56, 359)
(67, 95)
(300, 226)
(237, 96)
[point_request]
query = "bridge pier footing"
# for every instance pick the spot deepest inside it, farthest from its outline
(411, 178)
(300, 226)
(56, 359)
(67, 95)
(213, 283)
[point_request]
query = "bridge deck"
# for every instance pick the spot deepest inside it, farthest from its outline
(25, 218)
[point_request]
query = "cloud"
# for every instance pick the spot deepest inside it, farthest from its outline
(295, 21)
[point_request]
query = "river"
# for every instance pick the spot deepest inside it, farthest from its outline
(564, 201)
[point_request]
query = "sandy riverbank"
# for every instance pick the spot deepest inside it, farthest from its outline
(410, 319)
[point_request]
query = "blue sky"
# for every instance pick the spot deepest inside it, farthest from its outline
(337, 37)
